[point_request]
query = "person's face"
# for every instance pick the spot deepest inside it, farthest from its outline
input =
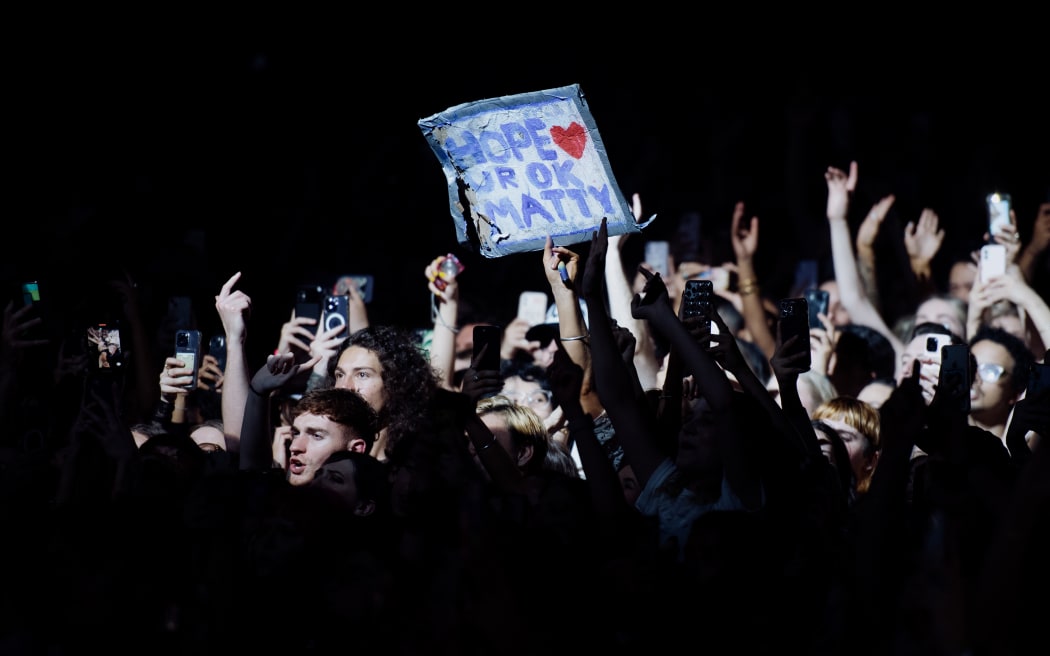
(528, 393)
(629, 482)
(338, 477)
(824, 440)
(960, 280)
(940, 311)
(861, 456)
(314, 438)
(358, 369)
(836, 312)
(990, 393)
(497, 425)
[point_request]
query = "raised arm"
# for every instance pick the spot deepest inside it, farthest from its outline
(234, 308)
(851, 289)
(444, 311)
(744, 236)
(619, 292)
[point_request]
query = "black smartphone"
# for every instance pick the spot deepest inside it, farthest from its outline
(817, 300)
(696, 299)
(491, 336)
(794, 320)
(188, 350)
(336, 313)
(308, 299)
(217, 350)
(107, 349)
(956, 376)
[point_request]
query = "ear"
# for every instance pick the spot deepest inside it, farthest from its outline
(872, 461)
(357, 444)
(524, 455)
(364, 508)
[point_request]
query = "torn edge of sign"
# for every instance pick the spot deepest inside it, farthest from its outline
(508, 228)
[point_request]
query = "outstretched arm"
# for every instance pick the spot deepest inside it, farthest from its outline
(922, 240)
(745, 243)
(256, 431)
(234, 308)
(444, 311)
(851, 290)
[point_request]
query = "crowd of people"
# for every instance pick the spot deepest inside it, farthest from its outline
(626, 479)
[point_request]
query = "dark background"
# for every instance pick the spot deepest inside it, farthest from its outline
(297, 159)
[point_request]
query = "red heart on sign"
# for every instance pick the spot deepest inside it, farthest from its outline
(572, 139)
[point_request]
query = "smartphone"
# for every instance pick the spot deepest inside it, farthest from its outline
(993, 261)
(107, 348)
(29, 292)
(491, 336)
(308, 300)
(363, 282)
(817, 301)
(532, 307)
(794, 320)
(998, 212)
(217, 350)
(656, 256)
(336, 313)
(1038, 380)
(696, 299)
(956, 376)
(188, 350)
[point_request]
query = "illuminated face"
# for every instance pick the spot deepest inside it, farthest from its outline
(314, 438)
(940, 311)
(990, 395)
(528, 393)
(358, 369)
(860, 449)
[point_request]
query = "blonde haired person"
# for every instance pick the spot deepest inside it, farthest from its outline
(858, 424)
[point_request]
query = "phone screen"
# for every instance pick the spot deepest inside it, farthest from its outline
(105, 340)
(492, 337)
(817, 302)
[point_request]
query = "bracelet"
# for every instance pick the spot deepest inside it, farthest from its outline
(577, 338)
(435, 315)
(747, 287)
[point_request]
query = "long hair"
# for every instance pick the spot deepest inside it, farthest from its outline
(408, 380)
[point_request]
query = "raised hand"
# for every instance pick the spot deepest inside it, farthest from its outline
(744, 237)
(923, 239)
(653, 297)
(553, 258)
(234, 308)
(566, 381)
(298, 332)
(594, 271)
(16, 322)
(869, 227)
(278, 370)
(479, 383)
(840, 188)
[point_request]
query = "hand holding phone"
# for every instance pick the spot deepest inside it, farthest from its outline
(993, 261)
(817, 301)
(956, 377)
(188, 351)
(998, 212)
(308, 300)
(794, 322)
(336, 313)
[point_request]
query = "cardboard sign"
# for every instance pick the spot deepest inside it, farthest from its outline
(526, 166)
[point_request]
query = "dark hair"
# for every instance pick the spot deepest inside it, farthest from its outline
(370, 477)
(869, 348)
(1015, 347)
(343, 406)
(408, 380)
(931, 328)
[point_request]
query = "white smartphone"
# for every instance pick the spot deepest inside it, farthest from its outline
(993, 261)
(656, 256)
(532, 306)
(998, 212)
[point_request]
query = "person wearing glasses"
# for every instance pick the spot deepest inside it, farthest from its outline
(1003, 362)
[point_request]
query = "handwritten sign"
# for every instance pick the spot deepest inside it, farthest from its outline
(526, 166)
